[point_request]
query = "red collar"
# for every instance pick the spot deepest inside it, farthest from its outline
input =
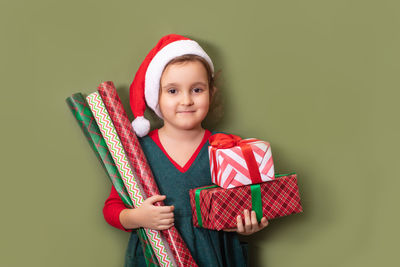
(154, 136)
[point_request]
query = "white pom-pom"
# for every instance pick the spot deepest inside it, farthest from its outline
(141, 126)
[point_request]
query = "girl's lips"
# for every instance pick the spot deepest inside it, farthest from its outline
(185, 111)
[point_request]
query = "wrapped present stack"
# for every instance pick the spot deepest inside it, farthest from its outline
(243, 175)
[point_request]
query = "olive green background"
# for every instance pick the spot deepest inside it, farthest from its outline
(318, 79)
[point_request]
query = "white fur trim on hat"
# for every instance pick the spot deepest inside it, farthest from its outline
(141, 126)
(158, 63)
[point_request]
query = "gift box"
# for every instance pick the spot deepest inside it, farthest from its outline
(216, 208)
(235, 162)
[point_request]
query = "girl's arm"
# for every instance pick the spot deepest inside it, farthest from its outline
(112, 209)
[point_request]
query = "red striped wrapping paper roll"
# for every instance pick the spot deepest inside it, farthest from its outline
(140, 166)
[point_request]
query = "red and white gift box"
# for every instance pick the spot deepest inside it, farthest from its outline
(235, 162)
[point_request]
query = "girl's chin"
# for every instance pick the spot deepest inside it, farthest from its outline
(187, 127)
(191, 127)
(184, 122)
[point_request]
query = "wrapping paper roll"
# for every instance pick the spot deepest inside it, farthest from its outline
(140, 166)
(136, 193)
(84, 117)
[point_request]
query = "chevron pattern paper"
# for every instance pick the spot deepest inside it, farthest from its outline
(229, 168)
(115, 147)
(220, 207)
(141, 168)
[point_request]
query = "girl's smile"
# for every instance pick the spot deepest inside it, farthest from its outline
(184, 95)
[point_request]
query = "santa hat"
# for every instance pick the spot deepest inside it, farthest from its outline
(146, 84)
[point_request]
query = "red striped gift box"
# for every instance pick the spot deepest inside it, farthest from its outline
(236, 162)
(216, 208)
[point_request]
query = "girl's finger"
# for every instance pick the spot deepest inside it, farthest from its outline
(240, 228)
(230, 230)
(155, 198)
(264, 222)
(165, 209)
(166, 222)
(254, 223)
(166, 215)
(247, 222)
(165, 227)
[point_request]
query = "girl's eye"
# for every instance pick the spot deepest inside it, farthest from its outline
(172, 91)
(197, 90)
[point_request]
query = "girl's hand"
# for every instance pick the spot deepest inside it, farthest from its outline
(250, 224)
(148, 215)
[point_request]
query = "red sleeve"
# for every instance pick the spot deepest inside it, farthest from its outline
(112, 208)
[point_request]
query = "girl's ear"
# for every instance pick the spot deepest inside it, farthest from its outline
(213, 92)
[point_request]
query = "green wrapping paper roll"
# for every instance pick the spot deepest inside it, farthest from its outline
(85, 119)
(88, 124)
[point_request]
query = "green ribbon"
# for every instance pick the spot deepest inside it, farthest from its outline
(197, 198)
(256, 203)
(280, 175)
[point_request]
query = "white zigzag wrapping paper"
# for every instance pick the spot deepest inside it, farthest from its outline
(231, 170)
(136, 194)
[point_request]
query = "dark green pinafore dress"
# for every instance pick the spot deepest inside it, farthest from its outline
(208, 247)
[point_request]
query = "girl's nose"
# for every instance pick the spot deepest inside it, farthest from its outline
(187, 99)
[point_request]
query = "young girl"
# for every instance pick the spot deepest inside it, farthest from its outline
(176, 81)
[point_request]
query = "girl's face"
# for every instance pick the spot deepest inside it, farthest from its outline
(184, 95)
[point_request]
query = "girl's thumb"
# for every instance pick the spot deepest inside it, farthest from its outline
(155, 198)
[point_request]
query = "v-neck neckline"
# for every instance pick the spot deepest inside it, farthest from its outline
(156, 138)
